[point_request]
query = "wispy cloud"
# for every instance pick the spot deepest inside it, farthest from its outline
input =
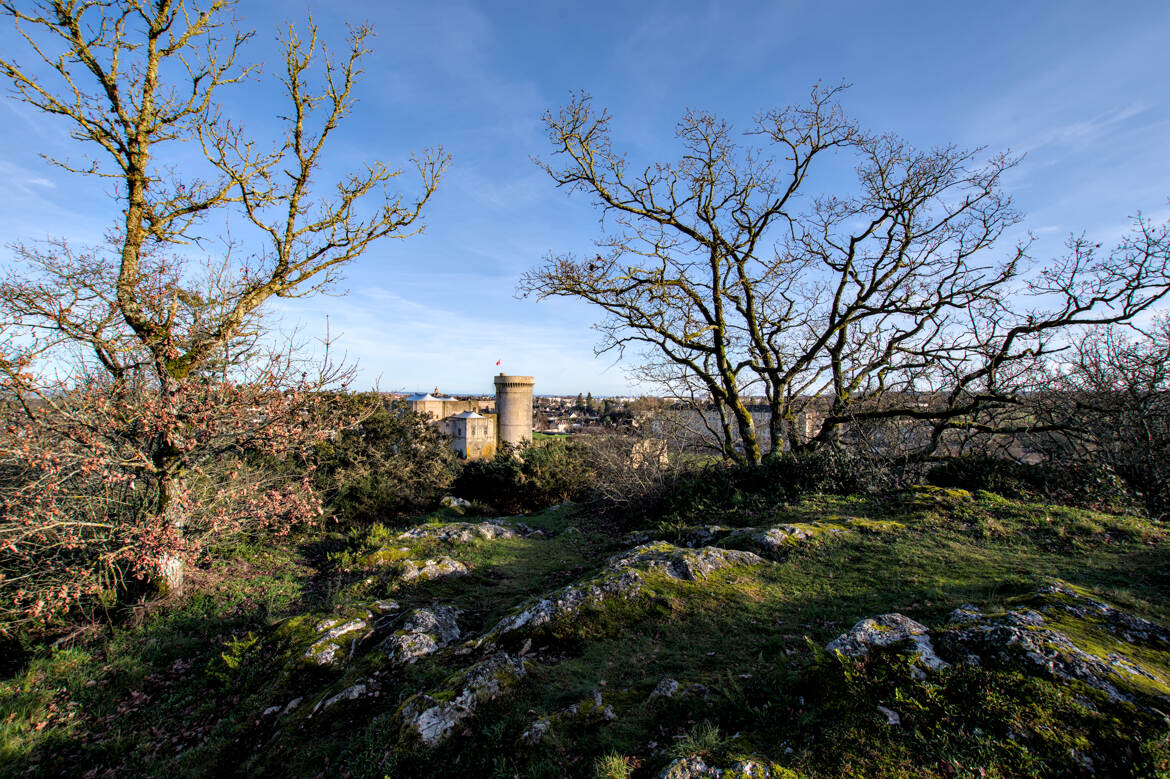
(16, 179)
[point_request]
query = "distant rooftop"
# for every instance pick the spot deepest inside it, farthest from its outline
(469, 415)
(427, 396)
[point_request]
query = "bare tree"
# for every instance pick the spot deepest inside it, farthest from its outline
(883, 303)
(139, 83)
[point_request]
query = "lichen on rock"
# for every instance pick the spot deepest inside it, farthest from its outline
(411, 570)
(431, 719)
(350, 693)
(424, 632)
(697, 768)
(672, 688)
(622, 577)
(335, 636)
(1128, 627)
(590, 711)
(1040, 638)
(704, 535)
(888, 630)
(463, 532)
(775, 543)
(1059, 631)
(682, 564)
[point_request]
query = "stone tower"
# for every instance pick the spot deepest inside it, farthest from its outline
(514, 408)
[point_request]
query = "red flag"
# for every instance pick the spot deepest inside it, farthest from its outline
(497, 362)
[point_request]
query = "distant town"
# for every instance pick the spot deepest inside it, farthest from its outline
(558, 414)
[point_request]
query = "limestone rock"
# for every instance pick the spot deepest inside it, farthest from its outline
(336, 635)
(697, 768)
(672, 688)
(431, 719)
(621, 578)
(351, 693)
(411, 570)
(888, 630)
(385, 606)
(1128, 627)
(1024, 634)
(966, 613)
(590, 711)
(564, 603)
(536, 731)
(461, 532)
(667, 688)
(683, 564)
(452, 502)
(281, 711)
(424, 632)
(776, 542)
(528, 531)
(704, 535)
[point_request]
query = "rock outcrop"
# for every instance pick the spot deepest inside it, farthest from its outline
(1059, 632)
(590, 711)
(431, 719)
(683, 564)
(1027, 636)
(463, 532)
(698, 768)
(775, 543)
(424, 632)
(672, 688)
(353, 692)
(887, 630)
(336, 638)
(411, 570)
(623, 577)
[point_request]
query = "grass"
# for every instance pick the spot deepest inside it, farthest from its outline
(185, 693)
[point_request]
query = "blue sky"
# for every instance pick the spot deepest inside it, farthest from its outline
(1078, 87)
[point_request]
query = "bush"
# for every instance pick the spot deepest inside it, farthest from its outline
(392, 462)
(698, 495)
(985, 472)
(528, 478)
(88, 517)
(1076, 483)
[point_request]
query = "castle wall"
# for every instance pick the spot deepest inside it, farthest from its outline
(472, 438)
(432, 408)
(451, 406)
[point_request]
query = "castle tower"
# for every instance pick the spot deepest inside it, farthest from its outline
(514, 408)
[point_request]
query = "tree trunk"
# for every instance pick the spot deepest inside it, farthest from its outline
(171, 566)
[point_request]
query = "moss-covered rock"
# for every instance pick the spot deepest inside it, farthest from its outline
(672, 688)
(1067, 635)
(698, 768)
(430, 719)
(336, 637)
(463, 532)
(383, 556)
(585, 713)
(887, 630)
(622, 578)
(777, 542)
(438, 568)
(682, 564)
(353, 692)
(423, 632)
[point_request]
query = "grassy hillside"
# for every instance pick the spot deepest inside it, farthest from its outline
(548, 646)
